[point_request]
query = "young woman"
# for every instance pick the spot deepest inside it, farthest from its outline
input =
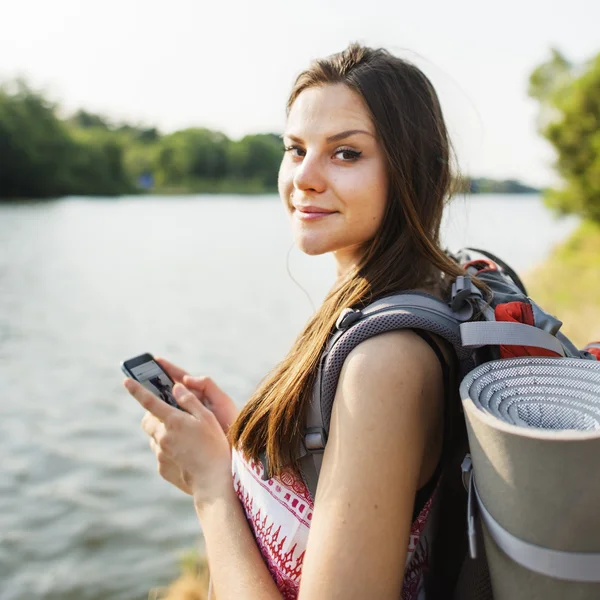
(365, 176)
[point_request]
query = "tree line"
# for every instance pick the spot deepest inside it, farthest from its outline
(42, 155)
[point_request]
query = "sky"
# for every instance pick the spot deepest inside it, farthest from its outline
(230, 64)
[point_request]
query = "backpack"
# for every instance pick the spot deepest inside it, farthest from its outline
(508, 327)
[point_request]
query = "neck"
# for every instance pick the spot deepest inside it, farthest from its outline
(346, 259)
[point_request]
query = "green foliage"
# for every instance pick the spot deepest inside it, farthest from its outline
(569, 99)
(87, 154)
(191, 154)
(202, 160)
(98, 168)
(86, 120)
(35, 147)
(257, 156)
(42, 156)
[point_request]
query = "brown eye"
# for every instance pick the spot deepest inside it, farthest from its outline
(292, 149)
(348, 155)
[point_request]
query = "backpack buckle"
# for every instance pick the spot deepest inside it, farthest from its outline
(463, 288)
(467, 470)
(347, 318)
(266, 474)
(468, 479)
(315, 439)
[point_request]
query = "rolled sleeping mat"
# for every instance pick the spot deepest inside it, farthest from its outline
(534, 435)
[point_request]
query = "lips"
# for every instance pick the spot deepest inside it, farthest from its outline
(314, 210)
(312, 213)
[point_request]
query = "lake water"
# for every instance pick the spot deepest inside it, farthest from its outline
(85, 283)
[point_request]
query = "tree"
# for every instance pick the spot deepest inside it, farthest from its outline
(257, 157)
(98, 167)
(569, 97)
(42, 156)
(192, 154)
(35, 146)
(87, 120)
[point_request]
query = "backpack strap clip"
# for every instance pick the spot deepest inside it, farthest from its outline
(469, 483)
(262, 457)
(315, 439)
(347, 317)
(463, 289)
(314, 442)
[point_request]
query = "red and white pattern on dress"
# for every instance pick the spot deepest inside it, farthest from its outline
(279, 511)
(417, 559)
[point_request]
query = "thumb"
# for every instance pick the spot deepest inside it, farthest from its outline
(189, 401)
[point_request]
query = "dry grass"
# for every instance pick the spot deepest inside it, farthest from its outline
(192, 584)
(567, 285)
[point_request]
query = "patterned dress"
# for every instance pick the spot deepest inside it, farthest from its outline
(279, 511)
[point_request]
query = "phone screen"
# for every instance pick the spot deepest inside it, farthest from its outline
(153, 378)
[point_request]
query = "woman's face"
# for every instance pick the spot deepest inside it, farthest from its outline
(332, 179)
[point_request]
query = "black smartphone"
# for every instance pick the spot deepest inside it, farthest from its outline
(149, 373)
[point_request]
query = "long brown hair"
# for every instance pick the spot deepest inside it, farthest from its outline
(404, 254)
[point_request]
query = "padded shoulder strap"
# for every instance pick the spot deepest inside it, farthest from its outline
(411, 310)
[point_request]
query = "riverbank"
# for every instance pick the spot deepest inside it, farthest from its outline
(567, 284)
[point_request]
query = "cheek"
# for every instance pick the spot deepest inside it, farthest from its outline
(367, 199)
(284, 185)
(379, 193)
(380, 207)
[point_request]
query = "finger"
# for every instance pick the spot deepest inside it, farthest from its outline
(154, 446)
(173, 371)
(160, 455)
(211, 392)
(151, 425)
(197, 386)
(189, 401)
(161, 410)
(214, 398)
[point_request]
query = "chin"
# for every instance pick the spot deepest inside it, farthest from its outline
(314, 247)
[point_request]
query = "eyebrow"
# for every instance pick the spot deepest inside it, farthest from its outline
(332, 138)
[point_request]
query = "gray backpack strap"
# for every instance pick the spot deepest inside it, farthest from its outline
(409, 310)
(496, 333)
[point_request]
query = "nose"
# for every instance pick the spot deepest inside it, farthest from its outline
(308, 175)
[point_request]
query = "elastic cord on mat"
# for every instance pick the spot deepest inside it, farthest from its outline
(559, 564)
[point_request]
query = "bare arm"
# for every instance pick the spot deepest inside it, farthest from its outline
(387, 412)
(236, 565)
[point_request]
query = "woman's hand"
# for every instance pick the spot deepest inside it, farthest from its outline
(191, 447)
(206, 390)
(167, 469)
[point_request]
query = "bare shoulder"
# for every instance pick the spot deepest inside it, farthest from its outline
(394, 356)
(390, 378)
